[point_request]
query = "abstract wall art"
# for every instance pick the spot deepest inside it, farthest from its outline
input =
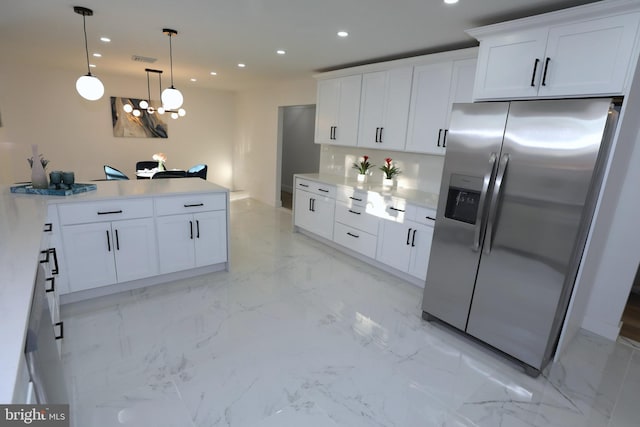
(147, 125)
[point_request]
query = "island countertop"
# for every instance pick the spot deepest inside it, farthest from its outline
(22, 218)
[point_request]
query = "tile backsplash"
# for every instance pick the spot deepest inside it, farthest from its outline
(419, 171)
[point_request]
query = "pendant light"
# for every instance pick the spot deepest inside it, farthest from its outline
(171, 97)
(145, 104)
(89, 87)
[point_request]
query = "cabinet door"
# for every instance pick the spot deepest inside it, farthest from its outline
(421, 236)
(176, 248)
(346, 132)
(429, 108)
(88, 251)
(302, 209)
(394, 245)
(315, 213)
(210, 237)
(384, 109)
(328, 92)
(589, 58)
(135, 249)
(510, 66)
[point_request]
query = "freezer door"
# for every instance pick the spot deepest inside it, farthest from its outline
(473, 147)
(536, 221)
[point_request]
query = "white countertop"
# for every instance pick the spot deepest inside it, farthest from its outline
(22, 218)
(416, 197)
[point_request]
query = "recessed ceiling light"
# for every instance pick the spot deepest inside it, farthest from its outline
(193, 79)
(342, 34)
(213, 73)
(97, 55)
(105, 39)
(280, 52)
(241, 65)
(451, 1)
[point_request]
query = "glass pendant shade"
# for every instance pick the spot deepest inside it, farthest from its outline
(160, 110)
(182, 112)
(174, 115)
(90, 87)
(144, 104)
(136, 113)
(171, 98)
(127, 108)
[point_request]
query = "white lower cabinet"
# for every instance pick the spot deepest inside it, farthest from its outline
(104, 253)
(191, 240)
(405, 246)
(314, 213)
(355, 229)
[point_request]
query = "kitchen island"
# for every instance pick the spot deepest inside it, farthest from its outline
(161, 204)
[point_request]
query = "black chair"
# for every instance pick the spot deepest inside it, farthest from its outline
(169, 174)
(199, 171)
(146, 164)
(113, 174)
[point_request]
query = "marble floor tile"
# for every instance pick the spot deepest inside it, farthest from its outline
(298, 334)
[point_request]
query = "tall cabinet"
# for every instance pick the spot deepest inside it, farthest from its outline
(337, 110)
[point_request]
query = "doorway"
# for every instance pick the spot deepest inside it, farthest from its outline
(631, 314)
(299, 152)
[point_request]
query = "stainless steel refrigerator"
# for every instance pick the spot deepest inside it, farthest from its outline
(519, 186)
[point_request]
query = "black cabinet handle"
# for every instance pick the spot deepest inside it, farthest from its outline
(413, 239)
(533, 76)
(353, 235)
(197, 228)
(544, 73)
(303, 185)
(117, 241)
(444, 140)
(408, 235)
(355, 198)
(47, 259)
(52, 281)
(380, 138)
(109, 212)
(354, 212)
(377, 129)
(194, 205)
(61, 335)
(313, 205)
(108, 242)
(48, 227)
(191, 229)
(323, 190)
(439, 136)
(310, 203)
(396, 209)
(428, 217)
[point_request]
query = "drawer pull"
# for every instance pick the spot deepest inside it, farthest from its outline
(303, 185)
(355, 198)
(396, 209)
(61, 335)
(428, 217)
(353, 235)
(48, 227)
(51, 280)
(323, 190)
(354, 212)
(109, 212)
(47, 259)
(196, 205)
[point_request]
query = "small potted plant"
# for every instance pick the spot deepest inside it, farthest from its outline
(389, 172)
(363, 167)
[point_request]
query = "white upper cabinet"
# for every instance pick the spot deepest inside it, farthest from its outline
(384, 109)
(337, 110)
(435, 88)
(586, 58)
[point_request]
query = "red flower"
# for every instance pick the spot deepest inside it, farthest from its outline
(366, 158)
(388, 160)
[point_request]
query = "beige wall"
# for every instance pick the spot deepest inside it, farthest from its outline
(42, 107)
(256, 150)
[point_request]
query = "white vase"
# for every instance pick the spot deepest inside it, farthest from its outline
(38, 176)
(362, 177)
(387, 182)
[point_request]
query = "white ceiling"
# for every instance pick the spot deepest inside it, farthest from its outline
(215, 35)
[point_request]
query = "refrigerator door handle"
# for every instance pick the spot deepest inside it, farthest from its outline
(495, 197)
(480, 217)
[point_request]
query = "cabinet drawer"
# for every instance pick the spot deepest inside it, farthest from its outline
(351, 197)
(107, 210)
(424, 215)
(171, 205)
(354, 239)
(398, 210)
(356, 217)
(316, 187)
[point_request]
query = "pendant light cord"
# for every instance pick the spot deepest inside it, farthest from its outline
(86, 45)
(170, 59)
(148, 90)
